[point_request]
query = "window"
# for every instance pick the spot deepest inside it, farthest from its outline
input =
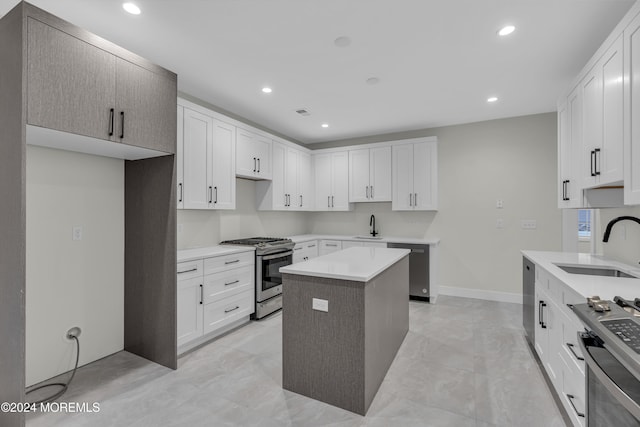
(584, 224)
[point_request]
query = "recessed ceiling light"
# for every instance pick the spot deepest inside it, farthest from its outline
(342, 41)
(267, 90)
(325, 125)
(373, 81)
(492, 99)
(505, 31)
(131, 8)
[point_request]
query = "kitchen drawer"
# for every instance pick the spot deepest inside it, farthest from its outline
(572, 352)
(224, 262)
(226, 283)
(227, 310)
(312, 247)
(189, 269)
(374, 244)
(328, 246)
(346, 244)
(573, 393)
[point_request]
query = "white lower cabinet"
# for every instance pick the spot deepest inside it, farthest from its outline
(328, 246)
(213, 294)
(354, 243)
(304, 251)
(556, 343)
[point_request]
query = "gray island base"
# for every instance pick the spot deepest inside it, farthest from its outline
(340, 356)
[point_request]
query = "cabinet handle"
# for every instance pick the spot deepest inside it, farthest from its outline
(333, 245)
(301, 200)
(285, 199)
(371, 191)
(180, 199)
(593, 153)
(415, 199)
(111, 118)
(367, 192)
(232, 309)
(232, 283)
(231, 262)
(311, 246)
(201, 294)
(328, 201)
(574, 352)
(297, 249)
(595, 162)
(568, 181)
(258, 165)
(210, 194)
(216, 199)
(332, 205)
(121, 124)
(254, 164)
(541, 306)
(571, 397)
(188, 271)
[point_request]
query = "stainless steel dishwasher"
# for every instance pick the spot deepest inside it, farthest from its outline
(418, 269)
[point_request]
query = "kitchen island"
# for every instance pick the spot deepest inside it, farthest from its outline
(344, 318)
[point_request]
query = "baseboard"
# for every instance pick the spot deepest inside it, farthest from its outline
(481, 294)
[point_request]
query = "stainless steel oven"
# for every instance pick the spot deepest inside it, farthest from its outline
(611, 349)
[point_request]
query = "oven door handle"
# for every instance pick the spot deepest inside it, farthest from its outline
(620, 396)
(278, 255)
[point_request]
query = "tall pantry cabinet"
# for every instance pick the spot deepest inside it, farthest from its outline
(60, 80)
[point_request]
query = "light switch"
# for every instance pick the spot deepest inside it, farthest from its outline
(499, 204)
(77, 233)
(320, 304)
(529, 224)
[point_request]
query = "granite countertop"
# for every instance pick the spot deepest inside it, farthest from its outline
(587, 285)
(209, 251)
(359, 264)
(386, 239)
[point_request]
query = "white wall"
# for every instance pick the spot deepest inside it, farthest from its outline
(198, 228)
(510, 159)
(624, 241)
(73, 283)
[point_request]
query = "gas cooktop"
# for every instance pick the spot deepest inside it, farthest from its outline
(263, 245)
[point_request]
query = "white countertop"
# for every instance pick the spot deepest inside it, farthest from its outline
(209, 251)
(359, 264)
(586, 285)
(385, 239)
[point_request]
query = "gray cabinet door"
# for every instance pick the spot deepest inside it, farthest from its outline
(71, 84)
(149, 102)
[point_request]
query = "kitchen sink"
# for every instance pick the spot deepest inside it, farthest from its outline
(596, 271)
(368, 237)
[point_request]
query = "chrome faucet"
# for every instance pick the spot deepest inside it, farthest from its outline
(372, 224)
(607, 232)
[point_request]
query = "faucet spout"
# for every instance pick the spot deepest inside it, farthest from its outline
(614, 221)
(372, 224)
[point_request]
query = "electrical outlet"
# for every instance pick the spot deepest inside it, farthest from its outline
(529, 224)
(499, 223)
(320, 304)
(77, 233)
(499, 204)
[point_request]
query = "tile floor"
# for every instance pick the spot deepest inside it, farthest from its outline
(464, 362)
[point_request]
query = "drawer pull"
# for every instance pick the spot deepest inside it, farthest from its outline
(297, 249)
(232, 283)
(232, 309)
(574, 352)
(311, 246)
(571, 397)
(332, 245)
(201, 294)
(231, 262)
(188, 271)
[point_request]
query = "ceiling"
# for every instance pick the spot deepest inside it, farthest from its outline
(437, 61)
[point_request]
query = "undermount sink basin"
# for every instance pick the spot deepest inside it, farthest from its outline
(367, 237)
(596, 271)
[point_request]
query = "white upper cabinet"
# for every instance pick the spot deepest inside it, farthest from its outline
(370, 175)
(602, 115)
(208, 161)
(253, 155)
(180, 158)
(569, 149)
(415, 176)
(290, 185)
(331, 172)
(632, 113)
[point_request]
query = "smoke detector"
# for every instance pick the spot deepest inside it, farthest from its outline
(303, 112)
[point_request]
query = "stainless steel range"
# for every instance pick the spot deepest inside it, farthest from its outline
(271, 254)
(611, 347)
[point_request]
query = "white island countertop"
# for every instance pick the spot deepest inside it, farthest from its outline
(384, 239)
(359, 264)
(587, 285)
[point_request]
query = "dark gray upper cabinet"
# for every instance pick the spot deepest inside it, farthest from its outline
(146, 107)
(84, 88)
(71, 84)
